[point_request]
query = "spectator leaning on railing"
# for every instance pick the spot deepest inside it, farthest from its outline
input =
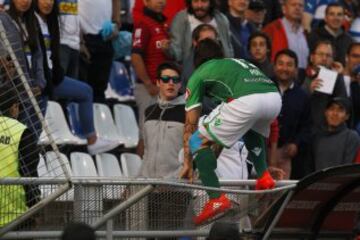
(164, 126)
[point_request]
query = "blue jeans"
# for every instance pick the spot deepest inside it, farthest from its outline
(81, 93)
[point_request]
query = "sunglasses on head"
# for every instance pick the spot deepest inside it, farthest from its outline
(166, 79)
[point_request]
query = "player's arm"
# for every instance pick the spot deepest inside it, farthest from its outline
(191, 122)
(194, 95)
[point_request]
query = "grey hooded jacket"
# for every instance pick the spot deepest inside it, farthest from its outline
(181, 41)
(163, 138)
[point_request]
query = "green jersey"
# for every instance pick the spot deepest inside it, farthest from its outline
(226, 79)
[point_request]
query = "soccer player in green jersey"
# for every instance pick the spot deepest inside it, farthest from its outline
(249, 102)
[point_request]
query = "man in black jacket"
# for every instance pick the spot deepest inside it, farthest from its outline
(333, 31)
(294, 118)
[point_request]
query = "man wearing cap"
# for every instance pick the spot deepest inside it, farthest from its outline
(335, 144)
(256, 13)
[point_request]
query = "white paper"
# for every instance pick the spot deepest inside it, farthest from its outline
(328, 78)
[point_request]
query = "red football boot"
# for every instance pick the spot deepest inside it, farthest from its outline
(213, 208)
(265, 182)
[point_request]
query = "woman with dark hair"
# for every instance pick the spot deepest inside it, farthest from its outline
(65, 87)
(23, 16)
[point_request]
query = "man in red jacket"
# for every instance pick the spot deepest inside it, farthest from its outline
(150, 37)
(287, 32)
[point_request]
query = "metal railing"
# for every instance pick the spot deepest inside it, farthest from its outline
(139, 208)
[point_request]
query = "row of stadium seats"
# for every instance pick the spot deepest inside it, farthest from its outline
(122, 127)
(83, 165)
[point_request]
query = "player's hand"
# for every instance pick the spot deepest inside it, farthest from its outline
(315, 84)
(152, 89)
(277, 173)
(187, 173)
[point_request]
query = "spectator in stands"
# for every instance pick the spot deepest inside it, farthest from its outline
(287, 32)
(352, 70)
(201, 32)
(150, 39)
(333, 31)
(23, 16)
(99, 22)
(240, 27)
(314, 13)
(162, 136)
(335, 144)
(65, 87)
(294, 118)
(19, 158)
(322, 55)
(197, 12)
(171, 9)
(351, 10)
(259, 47)
(69, 37)
(164, 126)
(256, 13)
(78, 231)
